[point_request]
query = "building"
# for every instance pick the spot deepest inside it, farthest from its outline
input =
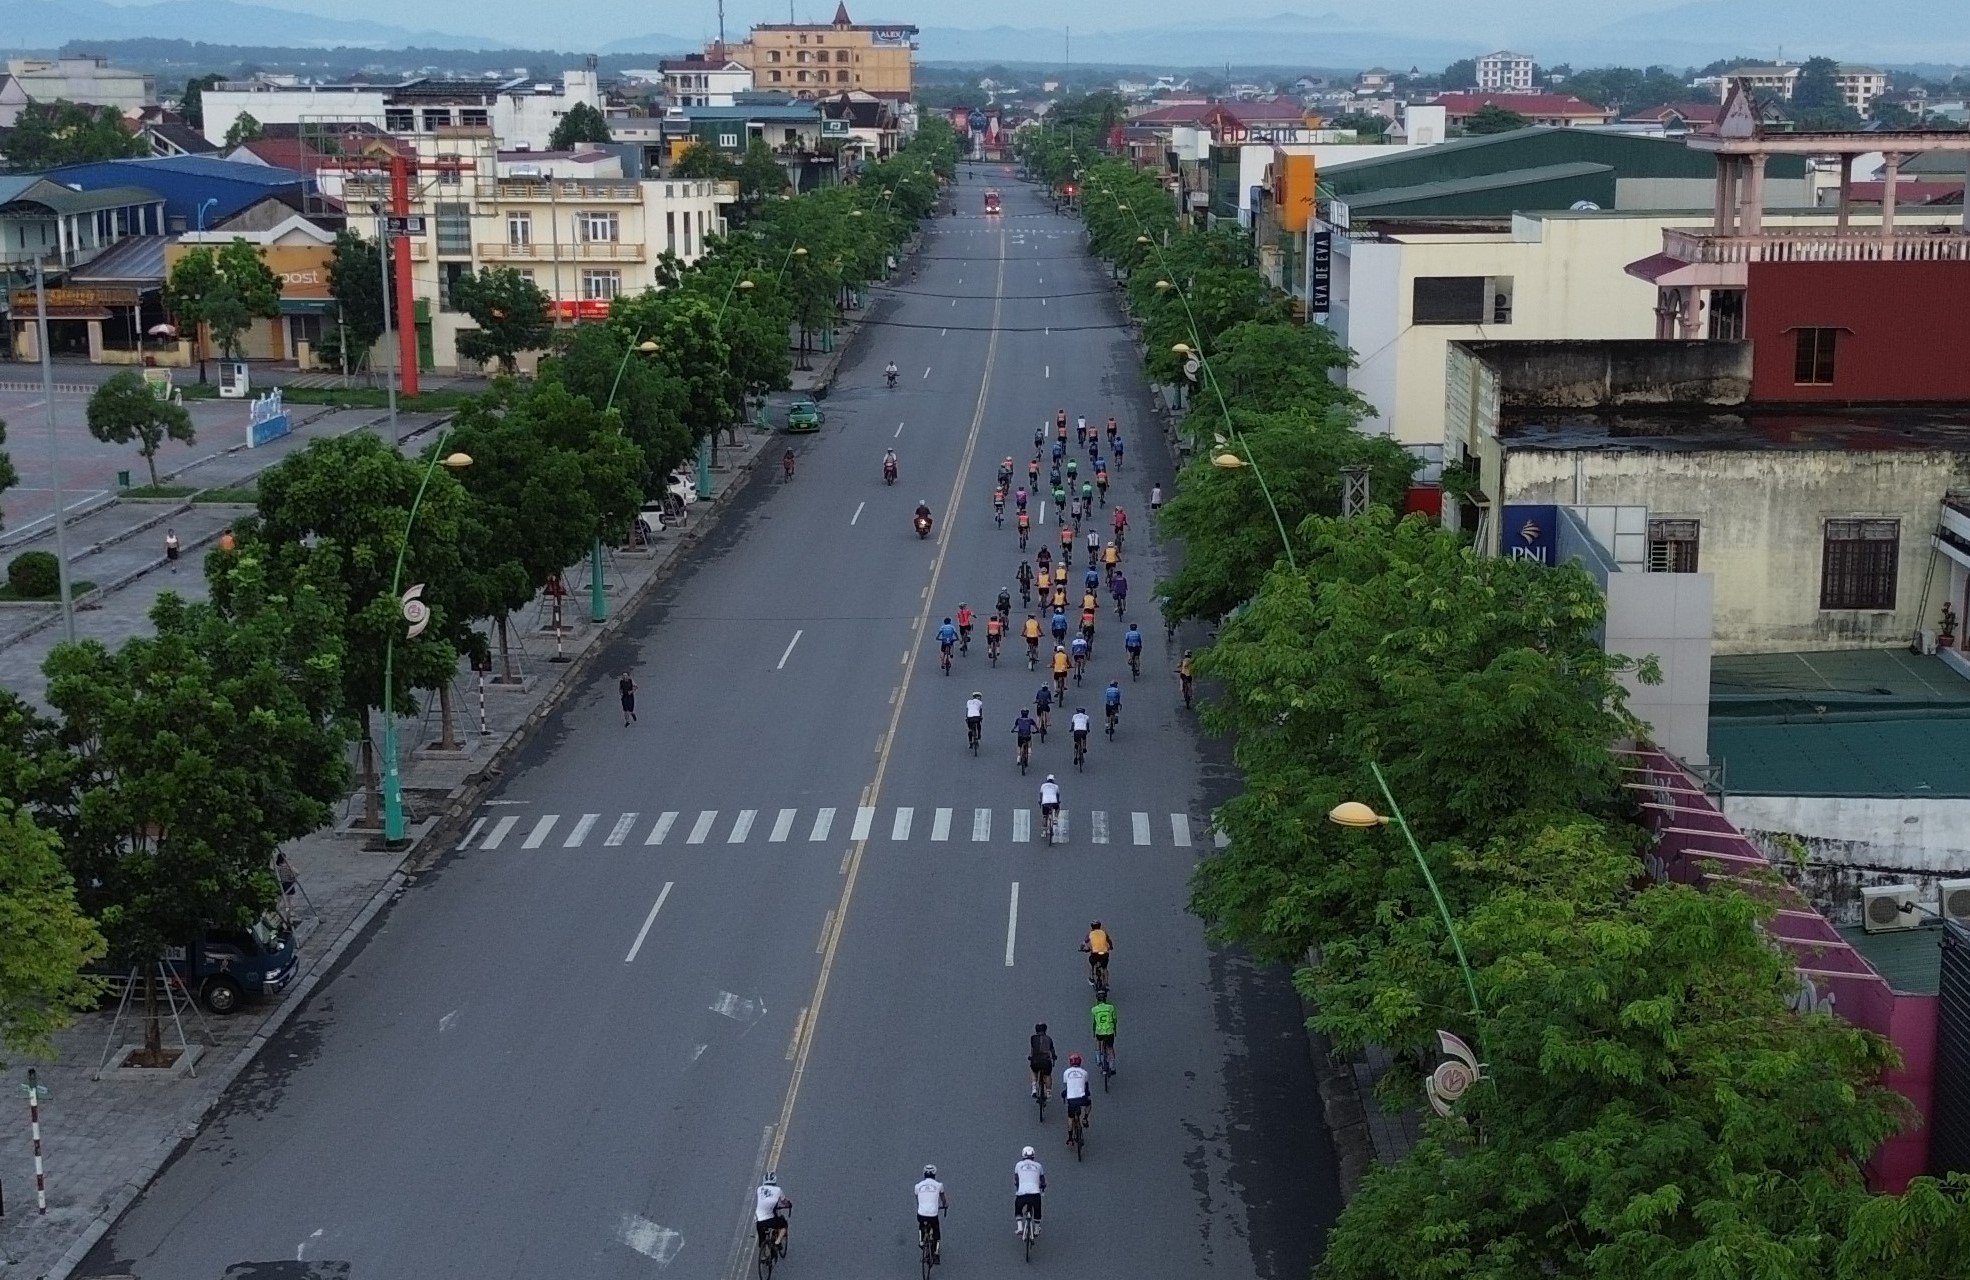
(88, 80)
(1504, 72)
(584, 241)
(1673, 119)
(809, 59)
(13, 101)
(67, 230)
(1859, 86)
(708, 79)
(198, 191)
(1556, 109)
(522, 113)
(296, 249)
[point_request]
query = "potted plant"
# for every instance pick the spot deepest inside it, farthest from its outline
(1946, 629)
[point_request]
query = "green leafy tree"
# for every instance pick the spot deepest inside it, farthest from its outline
(191, 104)
(124, 409)
(243, 129)
(702, 160)
(691, 346)
(198, 751)
(510, 312)
(355, 280)
(1492, 118)
(45, 939)
(8, 476)
(760, 175)
(1459, 75)
(595, 362)
(1818, 86)
(582, 123)
(51, 134)
(223, 291)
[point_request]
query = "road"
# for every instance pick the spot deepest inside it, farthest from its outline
(787, 920)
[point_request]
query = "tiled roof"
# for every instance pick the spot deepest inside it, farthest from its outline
(1525, 104)
(1693, 112)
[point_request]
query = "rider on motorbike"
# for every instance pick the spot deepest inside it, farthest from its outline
(890, 373)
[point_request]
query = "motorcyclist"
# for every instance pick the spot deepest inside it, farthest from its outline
(889, 372)
(889, 464)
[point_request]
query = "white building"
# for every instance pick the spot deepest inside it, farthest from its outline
(696, 80)
(521, 113)
(1504, 72)
(1859, 86)
(87, 80)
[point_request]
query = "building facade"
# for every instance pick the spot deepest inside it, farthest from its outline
(1859, 86)
(709, 79)
(1553, 109)
(521, 113)
(1505, 72)
(810, 60)
(88, 80)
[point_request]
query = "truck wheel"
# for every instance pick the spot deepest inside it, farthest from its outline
(221, 995)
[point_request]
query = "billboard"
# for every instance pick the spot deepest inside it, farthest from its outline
(1531, 532)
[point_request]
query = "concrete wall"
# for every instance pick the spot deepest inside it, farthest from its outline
(1590, 375)
(1762, 514)
(1855, 842)
(1668, 617)
(1697, 193)
(1903, 329)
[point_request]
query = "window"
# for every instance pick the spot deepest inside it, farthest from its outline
(436, 118)
(801, 56)
(519, 228)
(800, 76)
(773, 55)
(670, 232)
(1858, 562)
(601, 285)
(730, 141)
(1812, 363)
(399, 119)
(1461, 300)
(475, 117)
(841, 55)
(596, 226)
(449, 274)
(1726, 315)
(454, 230)
(773, 76)
(1672, 546)
(687, 233)
(803, 39)
(841, 77)
(448, 177)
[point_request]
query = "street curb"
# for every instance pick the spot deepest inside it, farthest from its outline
(1342, 1109)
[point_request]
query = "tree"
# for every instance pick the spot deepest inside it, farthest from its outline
(702, 160)
(691, 347)
(355, 280)
(45, 939)
(1459, 75)
(510, 312)
(191, 105)
(124, 409)
(223, 291)
(198, 751)
(1371, 123)
(49, 135)
(8, 476)
(582, 123)
(1818, 86)
(649, 403)
(760, 176)
(1492, 118)
(243, 129)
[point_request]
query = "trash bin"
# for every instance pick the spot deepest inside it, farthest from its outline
(123, 479)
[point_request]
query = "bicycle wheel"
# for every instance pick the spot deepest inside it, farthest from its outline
(1026, 1232)
(1080, 1137)
(766, 1257)
(923, 1247)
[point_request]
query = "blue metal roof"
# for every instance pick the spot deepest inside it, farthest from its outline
(188, 184)
(140, 171)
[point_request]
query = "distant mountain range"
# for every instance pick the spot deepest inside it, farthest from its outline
(1691, 34)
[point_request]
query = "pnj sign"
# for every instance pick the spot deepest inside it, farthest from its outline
(1531, 533)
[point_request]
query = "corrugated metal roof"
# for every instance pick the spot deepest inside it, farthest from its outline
(138, 260)
(1449, 197)
(66, 200)
(197, 167)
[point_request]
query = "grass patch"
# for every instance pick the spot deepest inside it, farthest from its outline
(246, 494)
(75, 591)
(442, 401)
(159, 491)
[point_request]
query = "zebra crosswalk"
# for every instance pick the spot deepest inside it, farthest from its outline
(494, 831)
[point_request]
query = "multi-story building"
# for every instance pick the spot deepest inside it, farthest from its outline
(1859, 86)
(1558, 109)
(810, 59)
(82, 79)
(521, 113)
(584, 241)
(708, 79)
(1504, 72)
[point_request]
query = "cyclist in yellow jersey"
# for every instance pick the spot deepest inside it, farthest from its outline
(1098, 945)
(1060, 668)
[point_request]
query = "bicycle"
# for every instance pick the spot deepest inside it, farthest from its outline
(1029, 1229)
(1135, 664)
(1187, 682)
(1025, 755)
(964, 641)
(946, 651)
(1080, 752)
(1060, 687)
(972, 733)
(1114, 715)
(1077, 1134)
(1106, 1062)
(992, 649)
(786, 464)
(1080, 667)
(1045, 718)
(926, 1248)
(772, 1249)
(1047, 824)
(1032, 653)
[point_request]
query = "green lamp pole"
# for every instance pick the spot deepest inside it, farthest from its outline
(417, 614)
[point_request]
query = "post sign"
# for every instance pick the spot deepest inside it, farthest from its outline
(1320, 273)
(1530, 532)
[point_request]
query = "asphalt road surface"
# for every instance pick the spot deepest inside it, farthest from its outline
(787, 920)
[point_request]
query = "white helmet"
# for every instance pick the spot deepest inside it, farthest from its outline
(930, 1171)
(1026, 1153)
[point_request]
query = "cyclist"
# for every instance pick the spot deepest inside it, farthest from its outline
(1080, 724)
(1111, 699)
(1019, 498)
(1060, 424)
(786, 463)
(1133, 643)
(1078, 651)
(1040, 1057)
(1087, 494)
(1094, 452)
(1029, 1182)
(1059, 452)
(1074, 510)
(1101, 483)
(947, 635)
(1040, 436)
(1049, 801)
(1111, 556)
(1025, 523)
(1186, 672)
(1102, 1017)
(1043, 707)
(1022, 729)
(974, 717)
(1118, 586)
(995, 630)
(1121, 523)
(1031, 629)
(1087, 623)
(1073, 471)
(964, 627)
(931, 1204)
(1033, 471)
(1059, 621)
(1004, 603)
(999, 504)
(1116, 446)
(769, 1206)
(1045, 559)
(1094, 545)
(1098, 945)
(1074, 1090)
(1005, 470)
(1060, 666)
(1088, 599)
(1081, 429)
(1059, 501)
(1112, 428)
(1091, 580)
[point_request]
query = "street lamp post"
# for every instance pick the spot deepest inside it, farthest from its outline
(54, 448)
(417, 614)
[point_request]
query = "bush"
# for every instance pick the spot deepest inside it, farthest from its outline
(34, 574)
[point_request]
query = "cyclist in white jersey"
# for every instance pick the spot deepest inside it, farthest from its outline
(931, 1204)
(1029, 1181)
(1049, 797)
(1074, 1089)
(769, 1208)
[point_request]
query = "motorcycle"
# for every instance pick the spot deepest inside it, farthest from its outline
(889, 473)
(890, 376)
(923, 526)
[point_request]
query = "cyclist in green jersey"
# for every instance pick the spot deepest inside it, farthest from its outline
(1102, 1016)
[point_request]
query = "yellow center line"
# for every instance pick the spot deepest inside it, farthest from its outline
(804, 1034)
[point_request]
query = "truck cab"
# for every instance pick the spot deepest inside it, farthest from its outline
(991, 202)
(222, 965)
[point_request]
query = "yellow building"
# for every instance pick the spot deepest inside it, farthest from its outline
(811, 60)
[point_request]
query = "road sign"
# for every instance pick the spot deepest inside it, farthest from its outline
(834, 128)
(405, 224)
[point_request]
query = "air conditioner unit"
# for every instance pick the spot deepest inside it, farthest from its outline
(1925, 642)
(1888, 907)
(1953, 900)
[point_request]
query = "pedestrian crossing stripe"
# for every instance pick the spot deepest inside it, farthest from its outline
(946, 826)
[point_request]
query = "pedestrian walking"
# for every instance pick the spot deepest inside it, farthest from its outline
(1155, 498)
(627, 687)
(227, 542)
(171, 548)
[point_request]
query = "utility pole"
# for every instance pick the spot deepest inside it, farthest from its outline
(721, 28)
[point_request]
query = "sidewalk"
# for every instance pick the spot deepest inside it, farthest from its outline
(104, 1140)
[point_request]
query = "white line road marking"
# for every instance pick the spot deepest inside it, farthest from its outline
(900, 828)
(662, 829)
(943, 333)
(926, 368)
(702, 827)
(781, 825)
(940, 825)
(788, 651)
(1098, 827)
(1141, 822)
(865, 817)
(658, 1243)
(648, 920)
(743, 827)
(538, 835)
(899, 430)
(580, 833)
(1049, 372)
(827, 923)
(981, 824)
(1043, 302)
(620, 832)
(1060, 827)
(1180, 830)
(858, 512)
(1012, 923)
(822, 821)
(1022, 826)
(1043, 511)
(473, 834)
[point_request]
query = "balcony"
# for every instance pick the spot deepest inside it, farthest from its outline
(572, 251)
(1819, 244)
(572, 190)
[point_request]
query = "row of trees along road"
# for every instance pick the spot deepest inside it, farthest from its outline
(1652, 1105)
(152, 801)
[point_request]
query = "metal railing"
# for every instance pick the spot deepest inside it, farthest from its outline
(567, 251)
(1820, 244)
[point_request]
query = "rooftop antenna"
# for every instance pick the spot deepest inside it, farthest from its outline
(1067, 48)
(721, 28)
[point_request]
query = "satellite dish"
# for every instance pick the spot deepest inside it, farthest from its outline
(1584, 206)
